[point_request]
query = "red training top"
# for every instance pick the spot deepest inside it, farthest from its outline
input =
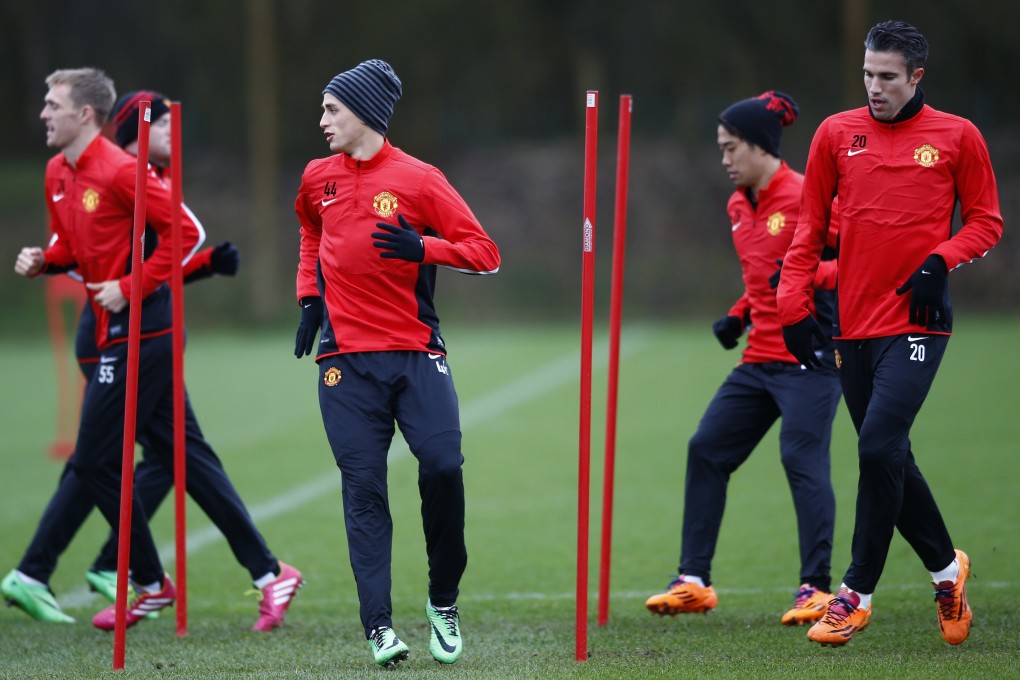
(898, 184)
(375, 304)
(761, 236)
(91, 206)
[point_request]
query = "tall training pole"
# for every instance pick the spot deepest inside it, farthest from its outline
(177, 297)
(591, 134)
(127, 467)
(615, 307)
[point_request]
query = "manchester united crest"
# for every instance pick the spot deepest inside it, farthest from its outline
(90, 199)
(384, 204)
(926, 155)
(331, 377)
(839, 359)
(775, 223)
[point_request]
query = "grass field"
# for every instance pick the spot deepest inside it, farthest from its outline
(518, 390)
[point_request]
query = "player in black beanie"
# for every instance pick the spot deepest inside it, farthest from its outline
(369, 90)
(768, 384)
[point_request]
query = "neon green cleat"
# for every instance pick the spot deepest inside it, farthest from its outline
(387, 647)
(36, 600)
(445, 643)
(104, 583)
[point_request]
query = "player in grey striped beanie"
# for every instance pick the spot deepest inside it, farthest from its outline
(369, 90)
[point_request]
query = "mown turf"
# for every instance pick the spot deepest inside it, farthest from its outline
(518, 389)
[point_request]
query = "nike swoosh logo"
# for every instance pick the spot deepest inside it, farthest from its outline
(852, 152)
(332, 200)
(434, 356)
(734, 227)
(911, 338)
(447, 647)
(57, 197)
(106, 360)
(924, 272)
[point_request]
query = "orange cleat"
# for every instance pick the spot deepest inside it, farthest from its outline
(808, 606)
(682, 597)
(953, 609)
(841, 620)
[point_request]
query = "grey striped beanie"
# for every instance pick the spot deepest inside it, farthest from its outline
(369, 90)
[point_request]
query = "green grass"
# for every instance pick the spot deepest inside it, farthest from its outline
(519, 399)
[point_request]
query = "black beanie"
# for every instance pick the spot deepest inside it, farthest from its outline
(760, 120)
(369, 90)
(125, 113)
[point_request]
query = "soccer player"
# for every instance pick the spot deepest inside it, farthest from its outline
(899, 167)
(768, 383)
(207, 482)
(375, 224)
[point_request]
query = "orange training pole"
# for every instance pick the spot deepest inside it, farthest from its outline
(177, 295)
(131, 386)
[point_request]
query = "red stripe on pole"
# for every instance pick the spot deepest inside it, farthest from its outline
(177, 293)
(127, 467)
(615, 308)
(591, 134)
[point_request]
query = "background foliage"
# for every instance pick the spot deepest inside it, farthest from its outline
(493, 94)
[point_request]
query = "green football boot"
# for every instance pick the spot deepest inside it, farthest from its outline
(387, 647)
(104, 583)
(444, 643)
(37, 600)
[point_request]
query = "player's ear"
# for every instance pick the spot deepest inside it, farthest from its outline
(916, 76)
(86, 113)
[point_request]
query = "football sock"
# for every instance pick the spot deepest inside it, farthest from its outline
(152, 587)
(696, 580)
(865, 599)
(265, 580)
(29, 580)
(950, 573)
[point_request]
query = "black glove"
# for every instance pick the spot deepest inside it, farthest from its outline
(311, 321)
(727, 330)
(928, 301)
(401, 242)
(774, 279)
(225, 259)
(799, 339)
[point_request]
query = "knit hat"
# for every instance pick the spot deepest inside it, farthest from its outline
(369, 90)
(125, 113)
(760, 120)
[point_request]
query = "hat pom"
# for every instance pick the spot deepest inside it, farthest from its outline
(782, 105)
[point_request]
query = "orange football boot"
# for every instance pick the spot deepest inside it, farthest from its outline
(841, 620)
(808, 607)
(953, 609)
(682, 597)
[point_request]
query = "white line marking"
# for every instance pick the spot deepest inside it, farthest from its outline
(544, 379)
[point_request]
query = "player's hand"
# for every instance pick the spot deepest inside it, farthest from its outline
(774, 279)
(727, 330)
(225, 259)
(928, 299)
(401, 242)
(799, 339)
(108, 295)
(30, 261)
(311, 322)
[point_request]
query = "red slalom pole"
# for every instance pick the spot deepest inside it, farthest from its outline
(615, 307)
(591, 136)
(177, 306)
(127, 468)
